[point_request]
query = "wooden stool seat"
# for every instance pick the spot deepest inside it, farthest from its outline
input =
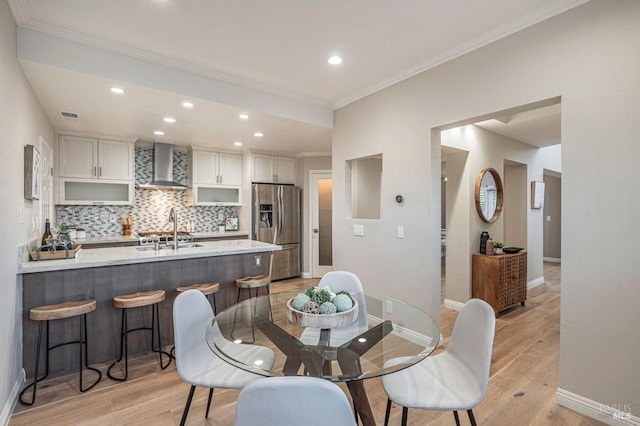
(62, 310)
(254, 282)
(206, 288)
(141, 298)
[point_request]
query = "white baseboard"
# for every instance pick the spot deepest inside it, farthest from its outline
(618, 415)
(306, 275)
(552, 259)
(452, 304)
(534, 283)
(13, 397)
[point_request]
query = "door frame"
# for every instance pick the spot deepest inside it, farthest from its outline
(313, 195)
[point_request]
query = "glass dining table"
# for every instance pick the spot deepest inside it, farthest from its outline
(383, 328)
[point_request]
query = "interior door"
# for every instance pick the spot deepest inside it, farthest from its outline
(320, 207)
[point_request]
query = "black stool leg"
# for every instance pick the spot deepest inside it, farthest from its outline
(123, 346)
(405, 414)
(155, 325)
(83, 331)
(455, 416)
(35, 375)
(215, 308)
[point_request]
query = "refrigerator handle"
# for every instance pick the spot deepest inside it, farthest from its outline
(281, 208)
(276, 222)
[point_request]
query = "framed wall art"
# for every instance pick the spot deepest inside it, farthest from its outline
(231, 224)
(537, 195)
(32, 176)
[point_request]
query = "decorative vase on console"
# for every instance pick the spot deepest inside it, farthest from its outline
(489, 247)
(483, 242)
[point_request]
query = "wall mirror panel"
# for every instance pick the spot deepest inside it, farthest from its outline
(489, 195)
(364, 188)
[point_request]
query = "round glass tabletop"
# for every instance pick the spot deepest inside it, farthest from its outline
(259, 336)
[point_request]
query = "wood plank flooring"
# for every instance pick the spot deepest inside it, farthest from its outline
(524, 379)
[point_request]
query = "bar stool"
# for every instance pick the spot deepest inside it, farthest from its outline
(206, 289)
(248, 283)
(44, 314)
(137, 300)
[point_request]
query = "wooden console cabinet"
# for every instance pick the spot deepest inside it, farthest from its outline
(500, 280)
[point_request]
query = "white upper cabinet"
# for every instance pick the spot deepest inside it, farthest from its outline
(205, 167)
(216, 168)
(90, 158)
(216, 178)
(78, 157)
(230, 169)
(115, 160)
(266, 168)
(95, 171)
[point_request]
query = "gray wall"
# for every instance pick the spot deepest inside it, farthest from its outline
(587, 56)
(22, 121)
(553, 209)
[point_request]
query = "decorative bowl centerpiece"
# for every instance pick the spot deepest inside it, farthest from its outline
(322, 307)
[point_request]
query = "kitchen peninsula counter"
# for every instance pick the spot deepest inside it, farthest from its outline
(144, 254)
(103, 273)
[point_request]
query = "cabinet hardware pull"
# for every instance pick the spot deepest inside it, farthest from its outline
(100, 173)
(94, 173)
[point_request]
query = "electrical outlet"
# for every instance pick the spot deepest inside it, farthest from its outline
(220, 217)
(112, 218)
(258, 260)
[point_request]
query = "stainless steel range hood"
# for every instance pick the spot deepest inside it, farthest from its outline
(163, 169)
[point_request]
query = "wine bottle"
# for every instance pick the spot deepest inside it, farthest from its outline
(47, 232)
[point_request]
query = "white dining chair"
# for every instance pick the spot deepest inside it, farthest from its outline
(293, 400)
(347, 281)
(453, 380)
(196, 363)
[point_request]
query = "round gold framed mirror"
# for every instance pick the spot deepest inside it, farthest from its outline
(489, 195)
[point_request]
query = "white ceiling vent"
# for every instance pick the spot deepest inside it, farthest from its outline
(69, 115)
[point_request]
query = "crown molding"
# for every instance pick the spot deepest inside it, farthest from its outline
(464, 48)
(20, 11)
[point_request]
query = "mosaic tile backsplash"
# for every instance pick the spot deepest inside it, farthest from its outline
(150, 211)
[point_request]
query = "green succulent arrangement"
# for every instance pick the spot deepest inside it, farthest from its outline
(498, 244)
(322, 300)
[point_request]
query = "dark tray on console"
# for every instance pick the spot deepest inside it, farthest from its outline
(512, 250)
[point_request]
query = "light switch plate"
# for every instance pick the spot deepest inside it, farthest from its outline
(548, 218)
(220, 217)
(400, 231)
(358, 230)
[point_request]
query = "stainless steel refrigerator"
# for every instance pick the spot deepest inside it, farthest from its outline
(276, 219)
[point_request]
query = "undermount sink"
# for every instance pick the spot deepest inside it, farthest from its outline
(164, 247)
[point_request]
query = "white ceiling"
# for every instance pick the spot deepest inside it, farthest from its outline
(276, 47)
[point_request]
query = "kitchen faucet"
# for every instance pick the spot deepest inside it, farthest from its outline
(174, 218)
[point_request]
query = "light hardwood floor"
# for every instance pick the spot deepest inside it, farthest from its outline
(524, 379)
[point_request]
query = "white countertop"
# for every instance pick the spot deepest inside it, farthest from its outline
(216, 234)
(128, 255)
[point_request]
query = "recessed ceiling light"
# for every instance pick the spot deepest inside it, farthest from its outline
(243, 116)
(334, 60)
(258, 134)
(237, 143)
(169, 120)
(158, 132)
(187, 104)
(117, 90)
